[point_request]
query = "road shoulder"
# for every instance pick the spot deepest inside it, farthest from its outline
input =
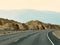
(56, 34)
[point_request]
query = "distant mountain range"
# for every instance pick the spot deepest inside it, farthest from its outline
(6, 24)
(30, 14)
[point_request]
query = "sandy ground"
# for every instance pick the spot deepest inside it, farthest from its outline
(7, 32)
(57, 33)
(2, 32)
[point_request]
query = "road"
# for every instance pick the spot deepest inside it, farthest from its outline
(26, 38)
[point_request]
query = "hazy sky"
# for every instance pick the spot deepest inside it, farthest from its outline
(25, 10)
(51, 5)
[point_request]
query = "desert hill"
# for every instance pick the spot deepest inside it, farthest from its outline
(6, 24)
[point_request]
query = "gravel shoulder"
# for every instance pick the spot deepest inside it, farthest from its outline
(3, 32)
(57, 34)
(7, 32)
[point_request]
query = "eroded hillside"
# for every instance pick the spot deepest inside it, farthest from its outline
(6, 24)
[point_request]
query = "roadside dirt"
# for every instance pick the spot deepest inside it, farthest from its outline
(7, 32)
(57, 34)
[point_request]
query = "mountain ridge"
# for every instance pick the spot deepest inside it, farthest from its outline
(6, 24)
(30, 14)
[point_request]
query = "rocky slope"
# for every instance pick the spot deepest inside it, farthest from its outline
(6, 24)
(37, 25)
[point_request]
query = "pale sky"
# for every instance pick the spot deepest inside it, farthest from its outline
(25, 10)
(50, 5)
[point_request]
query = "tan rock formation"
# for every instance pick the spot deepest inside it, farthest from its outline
(6, 24)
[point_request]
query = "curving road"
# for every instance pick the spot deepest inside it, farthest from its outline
(26, 38)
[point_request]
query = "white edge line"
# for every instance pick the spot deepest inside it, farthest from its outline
(50, 40)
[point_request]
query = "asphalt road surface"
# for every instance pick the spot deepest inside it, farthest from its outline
(26, 38)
